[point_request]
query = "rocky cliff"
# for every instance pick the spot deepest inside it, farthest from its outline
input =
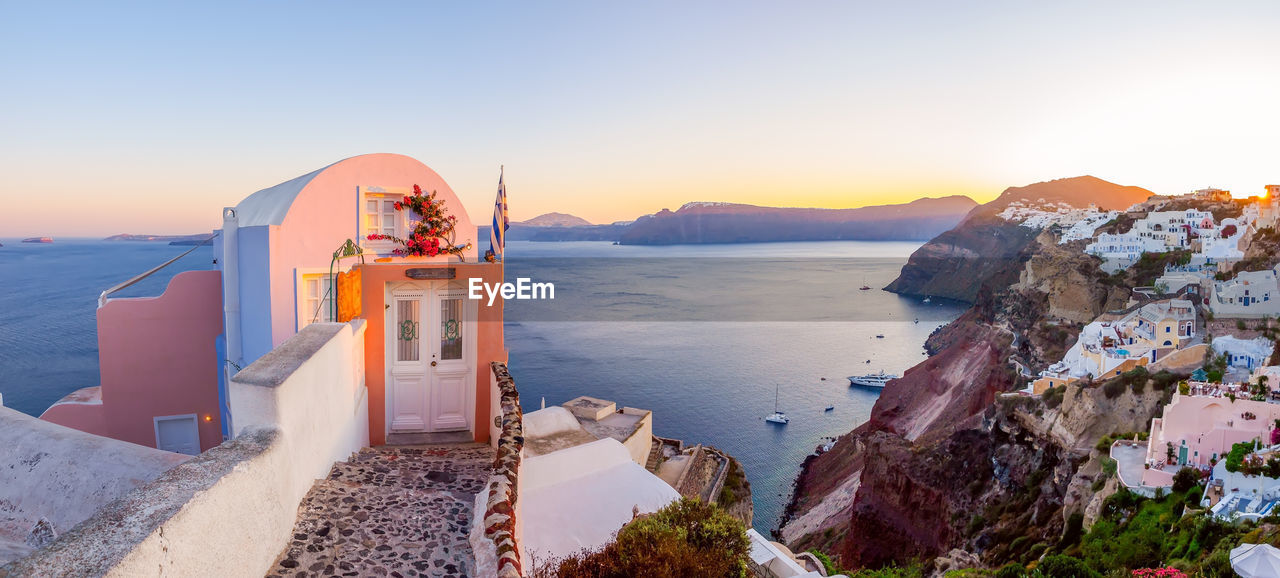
(950, 465)
(980, 250)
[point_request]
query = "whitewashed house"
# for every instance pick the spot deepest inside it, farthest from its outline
(1252, 295)
(1245, 353)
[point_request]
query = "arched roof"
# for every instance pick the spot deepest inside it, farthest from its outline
(271, 205)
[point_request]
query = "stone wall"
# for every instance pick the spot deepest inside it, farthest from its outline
(495, 537)
(231, 510)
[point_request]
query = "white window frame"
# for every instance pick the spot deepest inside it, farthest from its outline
(304, 313)
(365, 194)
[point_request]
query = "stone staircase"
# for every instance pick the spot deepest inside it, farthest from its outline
(388, 511)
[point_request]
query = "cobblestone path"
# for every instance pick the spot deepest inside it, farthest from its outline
(390, 511)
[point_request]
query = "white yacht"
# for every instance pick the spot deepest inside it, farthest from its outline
(876, 380)
(777, 416)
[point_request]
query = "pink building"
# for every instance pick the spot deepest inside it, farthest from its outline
(1201, 429)
(428, 347)
(159, 365)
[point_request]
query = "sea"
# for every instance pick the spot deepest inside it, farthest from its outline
(711, 338)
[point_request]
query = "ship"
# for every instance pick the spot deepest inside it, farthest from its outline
(38, 240)
(876, 380)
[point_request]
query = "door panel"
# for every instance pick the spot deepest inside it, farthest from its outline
(431, 358)
(449, 383)
(408, 371)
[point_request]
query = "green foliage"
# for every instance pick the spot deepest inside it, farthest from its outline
(1185, 479)
(1052, 397)
(1235, 458)
(1060, 566)
(686, 538)
(827, 564)
(1163, 379)
(1011, 570)
(1073, 532)
(1113, 388)
(913, 571)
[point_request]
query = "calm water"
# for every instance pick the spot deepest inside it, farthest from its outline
(701, 335)
(48, 298)
(780, 315)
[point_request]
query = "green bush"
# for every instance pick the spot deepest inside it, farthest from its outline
(1114, 388)
(1059, 566)
(1011, 570)
(1236, 456)
(686, 538)
(1053, 396)
(1185, 479)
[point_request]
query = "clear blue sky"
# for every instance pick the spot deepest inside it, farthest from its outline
(150, 117)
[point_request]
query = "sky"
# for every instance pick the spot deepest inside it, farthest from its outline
(148, 118)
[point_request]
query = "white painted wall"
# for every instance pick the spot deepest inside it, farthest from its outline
(231, 510)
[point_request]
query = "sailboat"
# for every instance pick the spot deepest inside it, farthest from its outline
(777, 416)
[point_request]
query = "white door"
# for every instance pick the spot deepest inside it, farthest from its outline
(408, 375)
(178, 433)
(449, 366)
(430, 357)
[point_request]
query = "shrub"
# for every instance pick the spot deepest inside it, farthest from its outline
(1011, 570)
(686, 538)
(1235, 458)
(1052, 397)
(1185, 479)
(1060, 566)
(1163, 379)
(1113, 388)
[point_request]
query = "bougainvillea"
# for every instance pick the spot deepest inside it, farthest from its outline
(1166, 572)
(432, 231)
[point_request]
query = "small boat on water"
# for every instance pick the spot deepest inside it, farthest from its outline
(927, 299)
(864, 288)
(879, 336)
(777, 416)
(876, 380)
(830, 408)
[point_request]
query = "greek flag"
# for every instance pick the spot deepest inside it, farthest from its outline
(498, 234)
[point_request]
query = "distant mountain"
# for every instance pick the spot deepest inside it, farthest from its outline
(735, 223)
(555, 220)
(198, 239)
(985, 248)
(1075, 191)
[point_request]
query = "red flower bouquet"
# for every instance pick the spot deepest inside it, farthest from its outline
(432, 231)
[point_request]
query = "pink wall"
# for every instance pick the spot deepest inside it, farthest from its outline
(327, 212)
(158, 358)
(1210, 425)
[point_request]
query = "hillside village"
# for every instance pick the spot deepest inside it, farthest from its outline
(1207, 316)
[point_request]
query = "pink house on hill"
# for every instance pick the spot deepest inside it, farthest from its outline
(313, 249)
(1201, 429)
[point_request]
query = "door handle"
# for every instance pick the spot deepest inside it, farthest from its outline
(433, 364)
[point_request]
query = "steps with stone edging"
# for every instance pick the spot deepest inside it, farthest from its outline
(388, 511)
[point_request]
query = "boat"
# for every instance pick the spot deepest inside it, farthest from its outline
(864, 288)
(876, 380)
(830, 408)
(927, 300)
(879, 336)
(777, 416)
(38, 240)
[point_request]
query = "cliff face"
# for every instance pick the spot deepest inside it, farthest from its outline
(980, 250)
(949, 464)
